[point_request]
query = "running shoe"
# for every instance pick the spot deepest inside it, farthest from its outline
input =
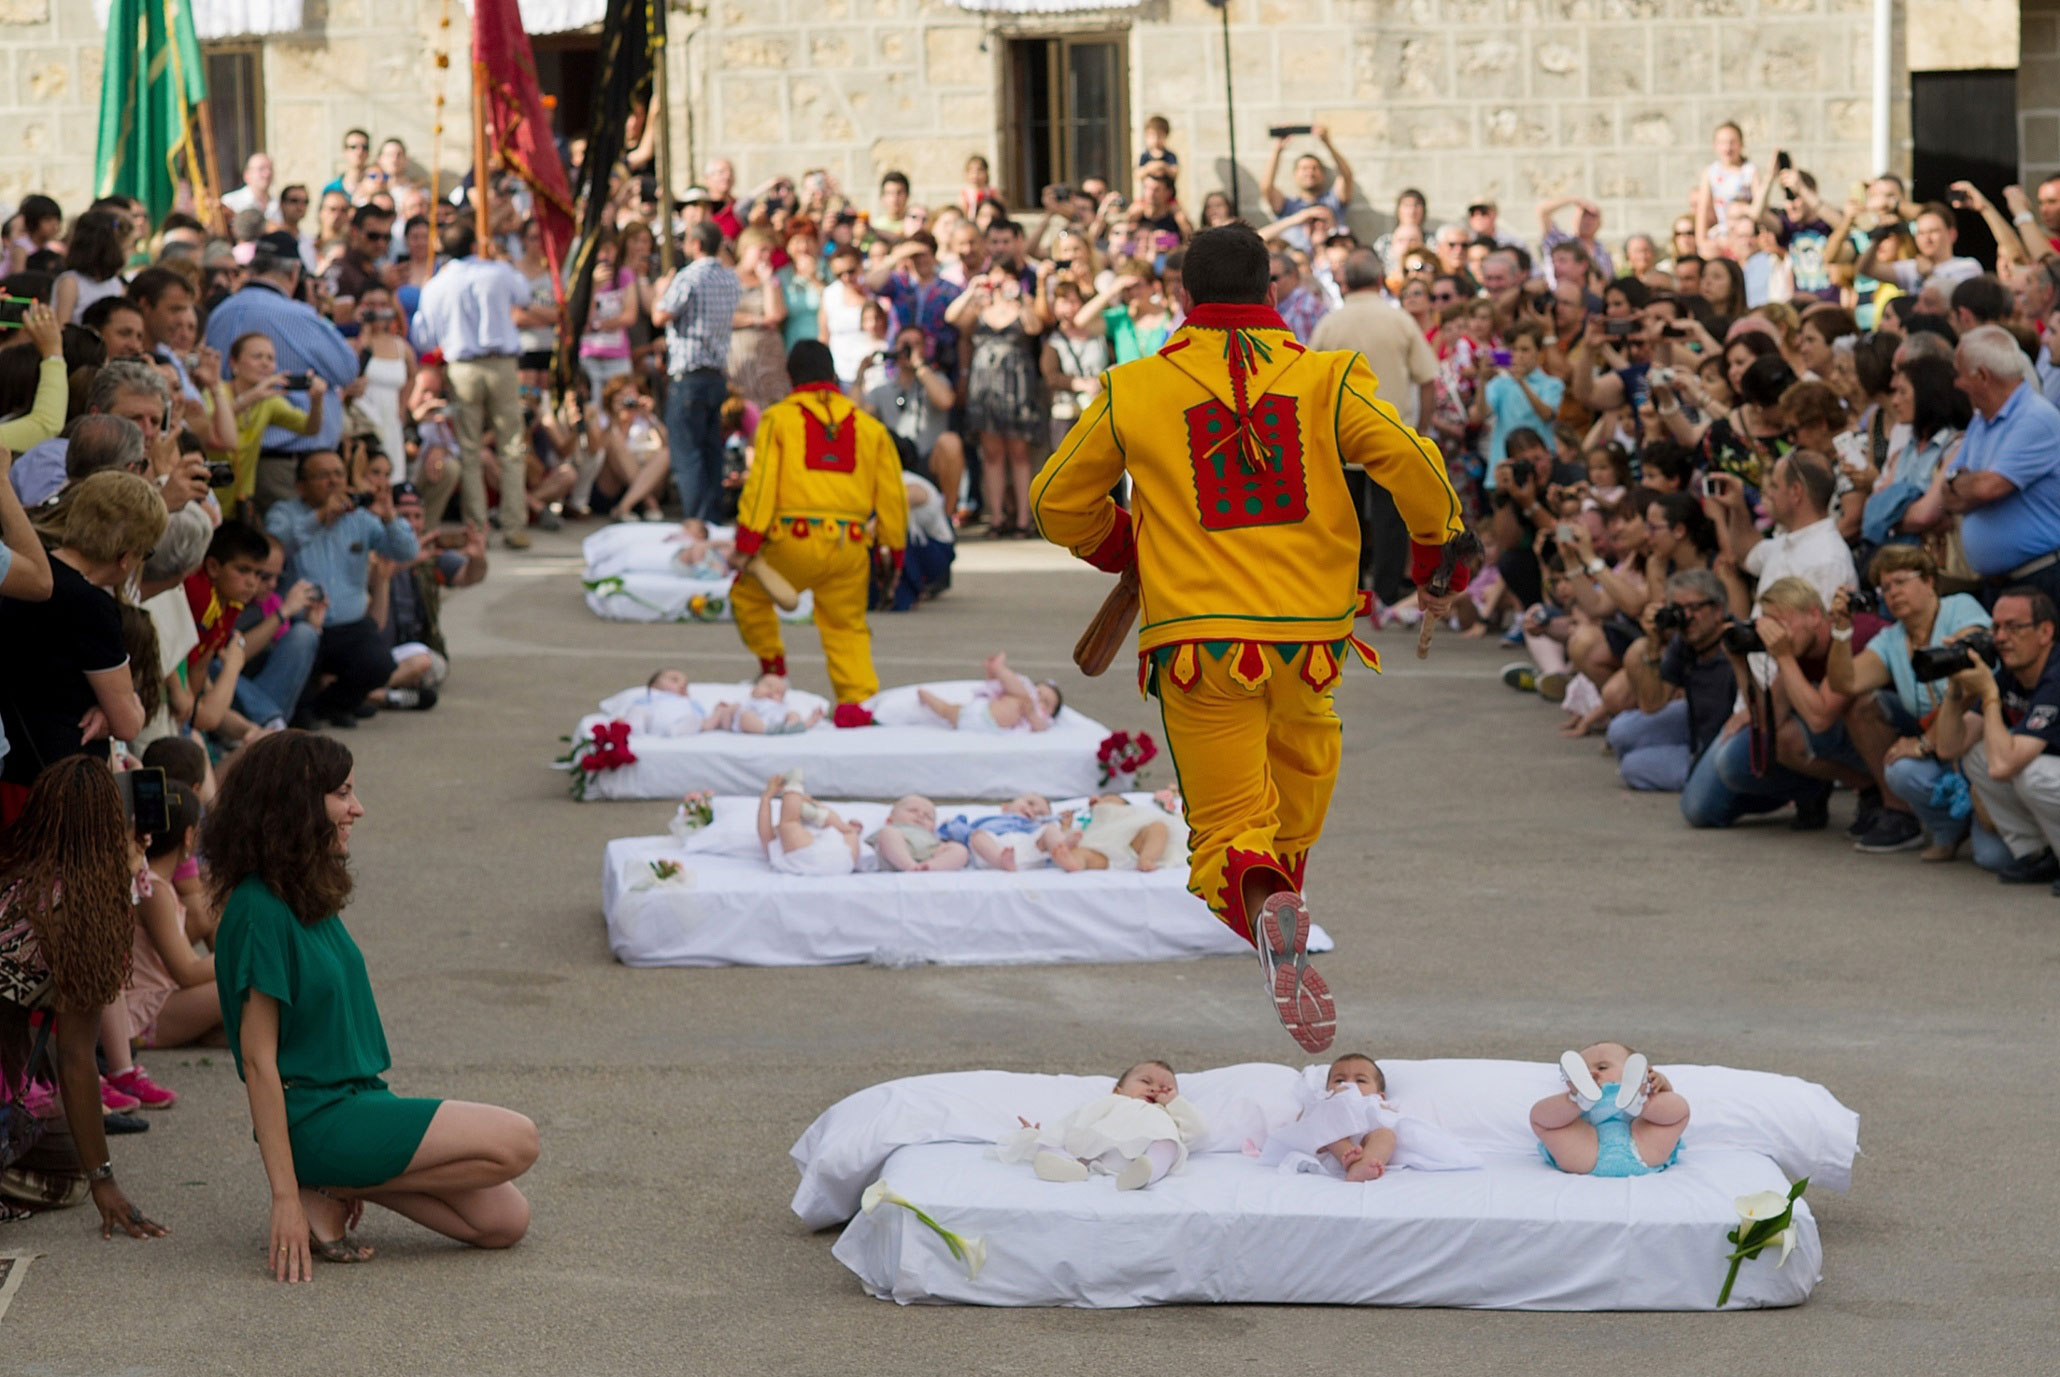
(136, 1084)
(1300, 996)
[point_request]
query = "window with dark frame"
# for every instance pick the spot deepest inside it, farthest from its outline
(1067, 109)
(236, 97)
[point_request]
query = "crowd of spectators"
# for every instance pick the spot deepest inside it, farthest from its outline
(1772, 499)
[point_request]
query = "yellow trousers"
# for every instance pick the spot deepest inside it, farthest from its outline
(1256, 763)
(838, 570)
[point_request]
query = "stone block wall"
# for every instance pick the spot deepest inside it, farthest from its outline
(2038, 91)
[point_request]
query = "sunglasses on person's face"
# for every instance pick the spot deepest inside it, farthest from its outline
(357, 146)
(1693, 605)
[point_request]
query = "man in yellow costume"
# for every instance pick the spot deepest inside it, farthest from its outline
(1246, 546)
(822, 473)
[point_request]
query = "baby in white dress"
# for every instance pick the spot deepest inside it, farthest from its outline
(766, 711)
(1121, 835)
(808, 839)
(666, 710)
(1007, 702)
(1137, 1134)
(1351, 1130)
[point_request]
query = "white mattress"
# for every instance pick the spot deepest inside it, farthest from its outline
(631, 576)
(1516, 1234)
(731, 909)
(884, 761)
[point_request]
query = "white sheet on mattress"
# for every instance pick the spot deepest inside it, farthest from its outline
(654, 588)
(1800, 1125)
(730, 909)
(1517, 1235)
(865, 762)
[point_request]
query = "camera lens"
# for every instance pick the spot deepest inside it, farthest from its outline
(1741, 639)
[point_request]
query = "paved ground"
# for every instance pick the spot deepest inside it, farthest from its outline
(1493, 893)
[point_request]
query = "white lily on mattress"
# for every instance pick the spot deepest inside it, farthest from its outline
(1764, 1219)
(971, 1251)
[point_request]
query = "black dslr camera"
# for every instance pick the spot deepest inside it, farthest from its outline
(1670, 618)
(1864, 600)
(1941, 661)
(1743, 638)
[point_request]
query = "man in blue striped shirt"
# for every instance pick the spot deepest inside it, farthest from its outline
(302, 341)
(697, 309)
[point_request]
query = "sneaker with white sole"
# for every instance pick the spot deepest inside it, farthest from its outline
(114, 1101)
(1521, 676)
(1552, 687)
(136, 1083)
(1301, 998)
(1631, 1091)
(1579, 1080)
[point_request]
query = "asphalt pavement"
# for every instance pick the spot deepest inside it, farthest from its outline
(1493, 892)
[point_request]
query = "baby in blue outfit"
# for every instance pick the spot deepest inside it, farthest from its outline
(1022, 836)
(1617, 1117)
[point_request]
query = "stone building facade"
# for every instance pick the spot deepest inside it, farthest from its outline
(1511, 99)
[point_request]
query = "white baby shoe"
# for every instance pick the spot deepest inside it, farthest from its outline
(1580, 1080)
(1136, 1174)
(1631, 1093)
(1057, 1166)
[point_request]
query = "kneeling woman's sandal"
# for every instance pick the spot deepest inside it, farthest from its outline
(346, 1249)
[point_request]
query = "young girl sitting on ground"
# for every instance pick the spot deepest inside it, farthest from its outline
(1022, 836)
(909, 839)
(1138, 1133)
(809, 839)
(1119, 835)
(766, 711)
(170, 998)
(665, 709)
(1007, 702)
(1617, 1117)
(186, 760)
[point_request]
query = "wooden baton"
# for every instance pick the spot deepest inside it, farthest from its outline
(1097, 647)
(773, 582)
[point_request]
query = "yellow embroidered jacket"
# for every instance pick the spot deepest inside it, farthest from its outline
(819, 459)
(1235, 437)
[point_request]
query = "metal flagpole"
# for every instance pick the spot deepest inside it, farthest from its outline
(1229, 106)
(661, 111)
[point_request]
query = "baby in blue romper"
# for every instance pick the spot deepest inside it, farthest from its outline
(1617, 1116)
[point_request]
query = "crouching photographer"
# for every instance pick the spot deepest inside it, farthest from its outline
(1892, 702)
(1796, 746)
(2001, 720)
(1684, 686)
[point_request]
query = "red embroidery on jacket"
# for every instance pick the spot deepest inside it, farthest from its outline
(1230, 497)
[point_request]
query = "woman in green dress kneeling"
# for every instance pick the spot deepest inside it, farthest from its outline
(301, 1019)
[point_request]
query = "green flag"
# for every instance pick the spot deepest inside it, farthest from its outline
(150, 84)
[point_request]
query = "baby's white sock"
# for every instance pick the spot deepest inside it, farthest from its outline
(1057, 1166)
(1151, 1168)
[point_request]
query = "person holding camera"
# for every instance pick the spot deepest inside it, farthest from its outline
(2000, 719)
(915, 406)
(1891, 700)
(261, 405)
(1684, 686)
(1805, 543)
(1797, 745)
(67, 923)
(330, 537)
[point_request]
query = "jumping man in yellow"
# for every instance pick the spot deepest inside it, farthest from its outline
(821, 471)
(1246, 545)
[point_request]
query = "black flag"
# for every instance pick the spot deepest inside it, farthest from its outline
(632, 43)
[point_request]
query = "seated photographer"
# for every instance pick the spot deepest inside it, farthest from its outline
(1890, 701)
(2003, 725)
(1796, 745)
(1519, 515)
(407, 603)
(330, 539)
(914, 403)
(1683, 685)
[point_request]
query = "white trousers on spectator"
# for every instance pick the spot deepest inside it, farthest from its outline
(486, 392)
(2026, 809)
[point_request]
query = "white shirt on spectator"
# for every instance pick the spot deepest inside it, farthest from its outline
(243, 198)
(1945, 276)
(468, 309)
(1815, 553)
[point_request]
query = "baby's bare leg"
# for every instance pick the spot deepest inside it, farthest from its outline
(794, 833)
(1566, 1135)
(1658, 1128)
(749, 721)
(991, 852)
(1067, 857)
(894, 850)
(1007, 712)
(1150, 846)
(947, 711)
(718, 718)
(950, 856)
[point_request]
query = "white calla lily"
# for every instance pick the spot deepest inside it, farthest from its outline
(1760, 1205)
(1788, 1240)
(976, 1256)
(878, 1194)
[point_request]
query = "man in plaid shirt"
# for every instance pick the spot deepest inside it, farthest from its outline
(696, 311)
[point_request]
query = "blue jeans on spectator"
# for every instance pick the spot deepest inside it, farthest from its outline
(1723, 787)
(1912, 780)
(269, 694)
(693, 427)
(1652, 747)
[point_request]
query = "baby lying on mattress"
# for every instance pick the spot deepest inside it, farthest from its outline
(1138, 1133)
(1351, 1130)
(665, 709)
(1022, 836)
(1007, 702)
(808, 839)
(699, 557)
(1618, 1117)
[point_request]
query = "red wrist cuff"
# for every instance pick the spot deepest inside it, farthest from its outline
(748, 540)
(1118, 550)
(1423, 564)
